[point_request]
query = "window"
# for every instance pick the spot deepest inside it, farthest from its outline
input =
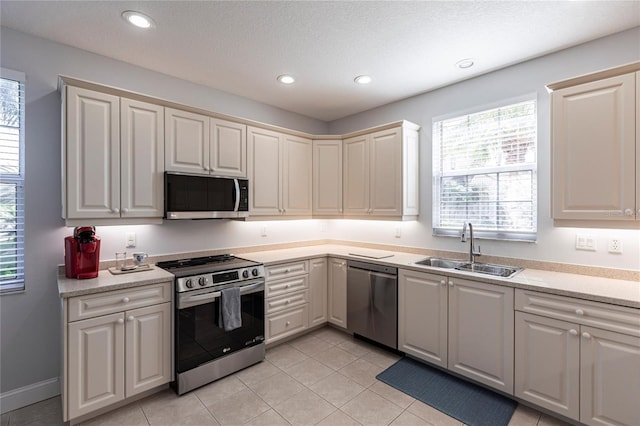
(484, 172)
(11, 181)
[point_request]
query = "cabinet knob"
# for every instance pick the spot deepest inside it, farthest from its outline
(579, 312)
(120, 321)
(115, 210)
(284, 210)
(450, 283)
(340, 211)
(125, 300)
(628, 212)
(573, 332)
(288, 323)
(125, 210)
(287, 286)
(442, 282)
(586, 335)
(130, 318)
(286, 302)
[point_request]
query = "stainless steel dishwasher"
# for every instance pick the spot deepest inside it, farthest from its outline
(372, 302)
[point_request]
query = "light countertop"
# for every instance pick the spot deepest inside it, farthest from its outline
(606, 290)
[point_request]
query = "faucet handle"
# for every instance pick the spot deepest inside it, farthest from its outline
(463, 236)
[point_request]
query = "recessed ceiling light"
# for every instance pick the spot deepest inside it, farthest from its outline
(465, 63)
(138, 19)
(362, 79)
(286, 79)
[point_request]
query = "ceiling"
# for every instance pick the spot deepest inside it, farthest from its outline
(242, 46)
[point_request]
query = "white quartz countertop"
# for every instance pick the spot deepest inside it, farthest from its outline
(106, 281)
(607, 290)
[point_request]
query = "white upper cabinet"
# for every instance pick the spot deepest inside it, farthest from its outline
(595, 150)
(141, 159)
(327, 177)
(380, 173)
(280, 173)
(114, 157)
(92, 154)
(228, 148)
(187, 141)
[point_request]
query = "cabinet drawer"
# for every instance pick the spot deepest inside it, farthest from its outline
(285, 270)
(600, 315)
(281, 287)
(286, 301)
(93, 305)
(287, 323)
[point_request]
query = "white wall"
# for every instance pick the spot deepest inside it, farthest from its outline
(554, 244)
(30, 321)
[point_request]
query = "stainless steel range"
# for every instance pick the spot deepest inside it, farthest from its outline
(204, 351)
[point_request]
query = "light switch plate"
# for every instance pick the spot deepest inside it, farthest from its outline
(131, 239)
(585, 242)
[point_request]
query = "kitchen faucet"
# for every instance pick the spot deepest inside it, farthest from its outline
(463, 238)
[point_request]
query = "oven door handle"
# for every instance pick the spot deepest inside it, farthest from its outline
(201, 299)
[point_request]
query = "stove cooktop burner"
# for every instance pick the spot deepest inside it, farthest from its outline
(196, 261)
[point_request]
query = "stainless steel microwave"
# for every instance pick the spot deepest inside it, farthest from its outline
(205, 197)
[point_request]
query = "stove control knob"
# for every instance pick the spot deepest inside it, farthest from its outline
(188, 283)
(203, 281)
(245, 274)
(255, 272)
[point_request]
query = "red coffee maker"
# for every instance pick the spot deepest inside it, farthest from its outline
(82, 253)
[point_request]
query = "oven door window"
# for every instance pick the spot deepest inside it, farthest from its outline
(200, 338)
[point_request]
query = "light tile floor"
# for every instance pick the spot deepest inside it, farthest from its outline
(325, 377)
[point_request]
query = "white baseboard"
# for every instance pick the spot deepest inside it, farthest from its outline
(30, 394)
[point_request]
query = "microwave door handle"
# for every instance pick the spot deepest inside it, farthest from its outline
(237, 185)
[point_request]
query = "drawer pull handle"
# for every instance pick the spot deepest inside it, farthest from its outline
(125, 300)
(120, 321)
(579, 312)
(573, 332)
(586, 335)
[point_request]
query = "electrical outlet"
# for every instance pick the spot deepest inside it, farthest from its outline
(131, 239)
(585, 242)
(615, 246)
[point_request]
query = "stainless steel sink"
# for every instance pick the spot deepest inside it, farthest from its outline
(437, 262)
(486, 268)
(480, 268)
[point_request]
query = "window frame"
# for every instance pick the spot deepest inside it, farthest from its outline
(438, 174)
(18, 284)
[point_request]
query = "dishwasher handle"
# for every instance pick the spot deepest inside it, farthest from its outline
(373, 268)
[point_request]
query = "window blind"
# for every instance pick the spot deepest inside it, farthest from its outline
(484, 172)
(11, 182)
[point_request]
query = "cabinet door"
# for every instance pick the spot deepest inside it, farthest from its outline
(296, 175)
(385, 173)
(318, 291)
(547, 363)
(92, 154)
(594, 159)
(337, 297)
(610, 378)
(327, 178)
(228, 153)
(638, 145)
(148, 343)
(141, 159)
(264, 172)
(355, 175)
(186, 141)
(95, 363)
(481, 332)
(422, 316)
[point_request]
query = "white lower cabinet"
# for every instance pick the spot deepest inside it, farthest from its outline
(422, 316)
(465, 326)
(337, 292)
(565, 364)
(317, 291)
(286, 300)
(118, 354)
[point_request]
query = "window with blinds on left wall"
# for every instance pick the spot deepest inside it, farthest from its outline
(12, 114)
